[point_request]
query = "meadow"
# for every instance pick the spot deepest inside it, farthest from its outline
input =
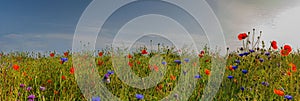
(251, 73)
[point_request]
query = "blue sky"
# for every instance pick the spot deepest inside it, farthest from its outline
(39, 25)
(36, 25)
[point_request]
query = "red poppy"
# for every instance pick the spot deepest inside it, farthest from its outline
(144, 51)
(202, 52)
(63, 77)
(287, 47)
(294, 67)
(207, 72)
(279, 92)
(129, 56)
(230, 68)
(286, 50)
(66, 54)
(100, 54)
(52, 54)
(138, 62)
(49, 81)
(72, 70)
(16, 67)
(100, 63)
(155, 68)
(130, 64)
(289, 73)
(173, 77)
(274, 45)
(242, 36)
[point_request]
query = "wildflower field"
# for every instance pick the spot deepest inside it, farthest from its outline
(254, 72)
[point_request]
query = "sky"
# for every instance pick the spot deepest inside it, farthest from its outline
(35, 25)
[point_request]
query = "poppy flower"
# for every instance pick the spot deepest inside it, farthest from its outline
(202, 52)
(155, 68)
(274, 45)
(200, 55)
(63, 77)
(49, 81)
(139, 96)
(100, 63)
(72, 70)
(286, 50)
(16, 67)
(144, 51)
(52, 54)
(242, 36)
(100, 54)
(289, 73)
(279, 92)
(66, 54)
(130, 64)
(95, 98)
(207, 72)
(289, 97)
(56, 92)
(129, 56)
(294, 67)
(173, 77)
(231, 68)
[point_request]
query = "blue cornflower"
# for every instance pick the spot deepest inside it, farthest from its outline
(139, 96)
(241, 55)
(184, 72)
(246, 53)
(177, 61)
(245, 71)
(230, 77)
(267, 53)
(164, 63)
(237, 61)
(95, 98)
(265, 83)
(235, 67)
(261, 60)
(289, 97)
(197, 76)
(242, 88)
(63, 60)
(251, 50)
(110, 72)
(186, 60)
